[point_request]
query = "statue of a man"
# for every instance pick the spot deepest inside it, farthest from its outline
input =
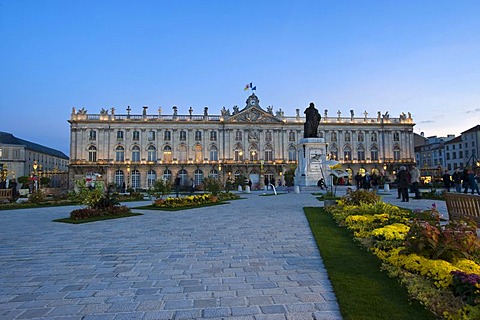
(311, 122)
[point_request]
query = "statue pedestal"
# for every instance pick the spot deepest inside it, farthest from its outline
(311, 158)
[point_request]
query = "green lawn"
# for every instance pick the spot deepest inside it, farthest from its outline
(362, 290)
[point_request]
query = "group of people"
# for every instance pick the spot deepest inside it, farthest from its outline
(367, 181)
(465, 179)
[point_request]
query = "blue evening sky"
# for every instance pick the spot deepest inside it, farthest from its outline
(421, 57)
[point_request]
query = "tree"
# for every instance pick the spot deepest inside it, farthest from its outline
(160, 189)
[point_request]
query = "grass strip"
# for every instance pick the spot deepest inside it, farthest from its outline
(152, 207)
(36, 205)
(362, 290)
(93, 219)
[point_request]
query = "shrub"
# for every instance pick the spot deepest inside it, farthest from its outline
(360, 196)
(37, 197)
(160, 188)
(223, 196)
(212, 185)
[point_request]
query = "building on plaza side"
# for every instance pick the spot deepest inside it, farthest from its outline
(258, 144)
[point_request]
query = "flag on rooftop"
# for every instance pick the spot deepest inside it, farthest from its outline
(254, 88)
(246, 87)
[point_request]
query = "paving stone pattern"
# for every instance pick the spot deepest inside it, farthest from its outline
(251, 259)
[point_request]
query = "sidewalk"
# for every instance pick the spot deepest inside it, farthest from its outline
(251, 259)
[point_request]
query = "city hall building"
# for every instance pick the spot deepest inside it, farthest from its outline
(134, 150)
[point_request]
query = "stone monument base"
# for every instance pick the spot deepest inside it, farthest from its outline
(311, 157)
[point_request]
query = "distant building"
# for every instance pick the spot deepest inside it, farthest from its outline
(260, 145)
(471, 146)
(430, 157)
(18, 158)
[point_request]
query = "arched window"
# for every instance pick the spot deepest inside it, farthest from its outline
(347, 153)
(269, 178)
(151, 178)
(268, 153)
(238, 174)
(213, 153)
(136, 154)
(120, 154)
(374, 153)
(182, 153)
(238, 153)
(333, 153)
(167, 174)
(198, 176)
(198, 153)
(183, 176)
(151, 154)
(396, 153)
(135, 179)
(119, 178)
(213, 174)
(92, 154)
(361, 153)
(253, 151)
(167, 154)
(292, 154)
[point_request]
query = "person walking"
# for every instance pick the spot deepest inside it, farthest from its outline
(457, 180)
(465, 182)
(192, 186)
(374, 182)
(358, 180)
(176, 185)
(366, 181)
(472, 182)
(403, 182)
(415, 181)
(447, 180)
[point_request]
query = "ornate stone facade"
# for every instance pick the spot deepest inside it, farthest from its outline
(252, 142)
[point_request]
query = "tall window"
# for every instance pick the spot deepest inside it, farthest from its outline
(119, 135)
(333, 136)
(268, 153)
(119, 154)
(182, 153)
(361, 153)
(151, 178)
(167, 174)
(292, 154)
(198, 135)
(92, 154)
(135, 179)
(167, 135)
(167, 154)
(396, 153)
(373, 137)
(347, 136)
(119, 178)
(136, 135)
(183, 176)
(253, 154)
(268, 136)
(183, 135)
(151, 154)
(213, 135)
(213, 174)
(360, 137)
(238, 154)
(151, 135)
(291, 136)
(333, 153)
(396, 136)
(347, 154)
(198, 177)
(374, 153)
(136, 154)
(213, 153)
(93, 135)
(238, 135)
(198, 153)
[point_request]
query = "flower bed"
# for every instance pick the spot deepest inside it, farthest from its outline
(438, 264)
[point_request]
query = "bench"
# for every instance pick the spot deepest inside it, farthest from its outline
(5, 195)
(463, 205)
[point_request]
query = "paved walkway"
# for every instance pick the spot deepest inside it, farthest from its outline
(251, 259)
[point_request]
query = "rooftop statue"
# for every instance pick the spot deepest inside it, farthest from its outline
(311, 122)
